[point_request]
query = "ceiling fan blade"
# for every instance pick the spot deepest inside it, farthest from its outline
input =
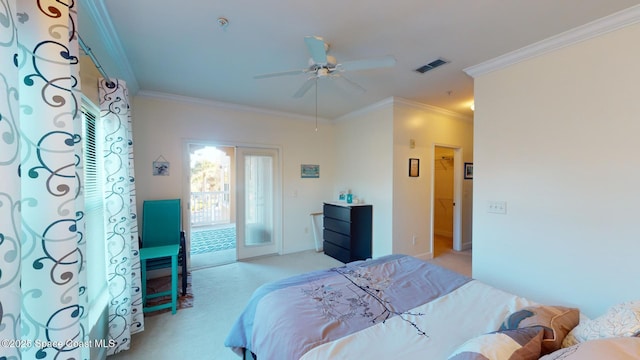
(350, 85)
(317, 49)
(305, 87)
(365, 64)
(282, 73)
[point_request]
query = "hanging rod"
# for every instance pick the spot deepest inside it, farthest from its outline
(87, 50)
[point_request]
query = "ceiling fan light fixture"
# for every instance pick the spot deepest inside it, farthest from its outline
(322, 72)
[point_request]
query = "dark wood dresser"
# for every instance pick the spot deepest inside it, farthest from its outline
(347, 231)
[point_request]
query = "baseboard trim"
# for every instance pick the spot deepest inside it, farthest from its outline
(424, 256)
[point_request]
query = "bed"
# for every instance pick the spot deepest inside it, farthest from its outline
(393, 307)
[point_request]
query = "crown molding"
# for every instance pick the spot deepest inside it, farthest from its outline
(431, 108)
(590, 30)
(392, 101)
(99, 15)
(225, 105)
(367, 109)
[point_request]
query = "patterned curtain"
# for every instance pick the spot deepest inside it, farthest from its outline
(43, 290)
(123, 273)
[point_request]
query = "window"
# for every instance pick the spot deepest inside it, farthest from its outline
(95, 260)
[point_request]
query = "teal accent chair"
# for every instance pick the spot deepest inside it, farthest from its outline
(162, 245)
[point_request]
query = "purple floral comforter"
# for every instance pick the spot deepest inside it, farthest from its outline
(287, 318)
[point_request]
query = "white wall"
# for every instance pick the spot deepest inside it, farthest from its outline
(412, 197)
(364, 163)
(373, 158)
(556, 137)
(161, 125)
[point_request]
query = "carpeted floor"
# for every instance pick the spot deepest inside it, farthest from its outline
(162, 284)
(210, 240)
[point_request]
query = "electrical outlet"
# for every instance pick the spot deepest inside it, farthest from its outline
(497, 207)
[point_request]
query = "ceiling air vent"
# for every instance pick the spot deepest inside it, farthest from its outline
(432, 65)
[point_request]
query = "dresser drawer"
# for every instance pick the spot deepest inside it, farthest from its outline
(337, 212)
(336, 252)
(337, 226)
(337, 238)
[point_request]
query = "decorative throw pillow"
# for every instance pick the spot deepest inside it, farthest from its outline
(518, 344)
(620, 320)
(557, 322)
(620, 348)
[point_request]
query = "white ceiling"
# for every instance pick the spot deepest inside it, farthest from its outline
(159, 46)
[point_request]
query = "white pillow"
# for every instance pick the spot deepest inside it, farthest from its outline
(620, 320)
(621, 348)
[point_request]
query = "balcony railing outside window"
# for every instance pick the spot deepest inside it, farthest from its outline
(210, 208)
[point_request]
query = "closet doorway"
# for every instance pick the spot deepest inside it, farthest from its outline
(446, 200)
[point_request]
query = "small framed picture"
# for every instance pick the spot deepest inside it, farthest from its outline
(160, 168)
(468, 171)
(414, 167)
(309, 171)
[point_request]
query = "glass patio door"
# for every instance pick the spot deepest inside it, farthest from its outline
(258, 196)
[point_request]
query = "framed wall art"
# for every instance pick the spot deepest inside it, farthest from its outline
(468, 171)
(308, 171)
(160, 167)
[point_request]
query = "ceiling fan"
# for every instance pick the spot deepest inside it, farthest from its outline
(322, 65)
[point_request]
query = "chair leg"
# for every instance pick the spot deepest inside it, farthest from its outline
(184, 274)
(143, 285)
(182, 257)
(174, 283)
